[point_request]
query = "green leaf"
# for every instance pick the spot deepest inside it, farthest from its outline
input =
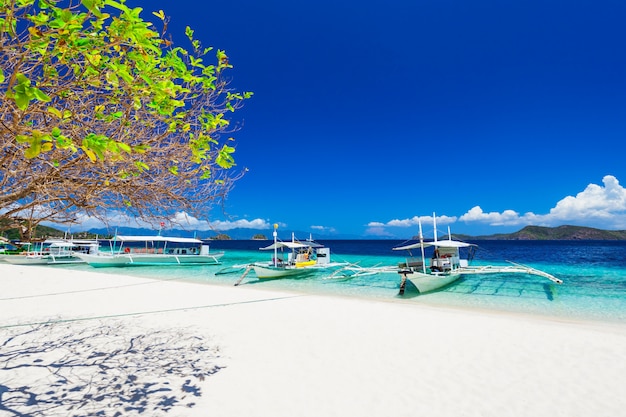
(141, 148)
(82, 42)
(22, 79)
(159, 14)
(22, 100)
(33, 151)
(124, 147)
(89, 4)
(90, 154)
(189, 32)
(141, 166)
(40, 95)
(224, 158)
(56, 112)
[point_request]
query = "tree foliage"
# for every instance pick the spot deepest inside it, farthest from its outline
(99, 111)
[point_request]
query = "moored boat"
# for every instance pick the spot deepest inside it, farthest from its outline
(446, 264)
(152, 250)
(292, 258)
(52, 252)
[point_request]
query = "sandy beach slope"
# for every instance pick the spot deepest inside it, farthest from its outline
(85, 344)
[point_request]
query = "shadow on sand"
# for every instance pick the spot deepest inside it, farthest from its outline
(101, 369)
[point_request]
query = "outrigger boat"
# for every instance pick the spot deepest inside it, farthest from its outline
(303, 257)
(152, 250)
(446, 264)
(52, 252)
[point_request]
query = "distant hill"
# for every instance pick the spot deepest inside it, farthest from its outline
(40, 232)
(234, 234)
(527, 233)
(554, 233)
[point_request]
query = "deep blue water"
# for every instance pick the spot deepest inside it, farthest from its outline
(593, 274)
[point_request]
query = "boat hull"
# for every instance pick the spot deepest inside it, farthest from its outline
(431, 282)
(271, 272)
(26, 260)
(125, 260)
(41, 260)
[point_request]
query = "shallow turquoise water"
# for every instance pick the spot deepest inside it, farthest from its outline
(594, 275)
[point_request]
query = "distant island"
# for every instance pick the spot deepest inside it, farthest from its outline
(226, 237)
(527, 233)
(553, 233)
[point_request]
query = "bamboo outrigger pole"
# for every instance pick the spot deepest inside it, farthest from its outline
(248, 269)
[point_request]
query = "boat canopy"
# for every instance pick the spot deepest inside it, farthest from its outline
(289, 245)
(156, 239)
(62, 243)
(439, 244)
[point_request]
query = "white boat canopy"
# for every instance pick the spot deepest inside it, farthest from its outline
(156, 239)
(289, 245)
(439, 244)
(62, 243)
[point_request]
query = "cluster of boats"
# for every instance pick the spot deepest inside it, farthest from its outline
(48, 252)
(117, 252)
(437, 263)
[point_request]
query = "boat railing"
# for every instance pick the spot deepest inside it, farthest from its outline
(411, 263)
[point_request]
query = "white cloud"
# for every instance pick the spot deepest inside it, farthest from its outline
(412, 222)
(596, 202)
(324, 229)
(222, 225)
(117, 219)
(190, 222)
(595, 206)
(375, 224)
(506, 218)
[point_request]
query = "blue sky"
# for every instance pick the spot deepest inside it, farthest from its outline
(368, 115)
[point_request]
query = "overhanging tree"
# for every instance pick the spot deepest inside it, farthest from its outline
(99, 111)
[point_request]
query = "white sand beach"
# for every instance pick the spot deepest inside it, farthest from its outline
(87, 343)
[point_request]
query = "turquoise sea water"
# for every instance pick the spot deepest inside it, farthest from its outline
(593, 274)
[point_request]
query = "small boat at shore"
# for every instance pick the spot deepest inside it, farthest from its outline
(446, 265)
(8, 249)
(51, 252)
(302, 258)
(158, 250)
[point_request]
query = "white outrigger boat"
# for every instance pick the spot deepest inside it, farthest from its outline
(446, 264)
(52, 252)
(152, 250)
(303, 257)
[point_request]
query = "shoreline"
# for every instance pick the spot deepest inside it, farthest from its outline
(207, 349)
(425, 302)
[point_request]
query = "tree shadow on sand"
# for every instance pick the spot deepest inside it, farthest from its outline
(108, 369)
